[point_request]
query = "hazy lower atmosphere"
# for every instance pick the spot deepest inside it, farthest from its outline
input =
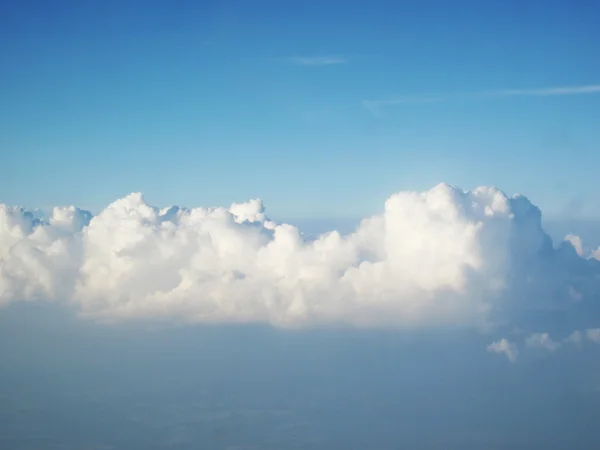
(68, 385)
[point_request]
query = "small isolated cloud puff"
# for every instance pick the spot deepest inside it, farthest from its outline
(574, 338)
(541, 341)
(504, 347)
(593, 334)
(544, 341)
(443, 256)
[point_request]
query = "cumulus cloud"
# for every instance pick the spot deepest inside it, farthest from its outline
(443, 256)
(542, 341)
(504, 347)
(40, 260)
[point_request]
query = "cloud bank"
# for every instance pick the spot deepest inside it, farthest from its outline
(444, 257)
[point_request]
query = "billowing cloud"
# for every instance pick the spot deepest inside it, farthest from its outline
(504, 347)
(440, 257)
(40, 260)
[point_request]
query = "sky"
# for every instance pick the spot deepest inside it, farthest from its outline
(320, 109)
(269, 225)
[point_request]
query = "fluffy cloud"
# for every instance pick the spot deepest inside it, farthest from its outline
(504, 347)
(40, 260)
(444, 256)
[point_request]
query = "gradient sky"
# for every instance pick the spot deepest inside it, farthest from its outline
(206, 103)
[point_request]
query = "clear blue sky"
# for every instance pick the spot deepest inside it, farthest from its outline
(206, 103)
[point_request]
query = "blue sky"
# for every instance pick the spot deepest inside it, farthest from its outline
(206, 103)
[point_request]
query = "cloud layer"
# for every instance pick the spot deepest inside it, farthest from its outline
(440, 257)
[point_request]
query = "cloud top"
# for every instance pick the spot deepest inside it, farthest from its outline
(439, 257)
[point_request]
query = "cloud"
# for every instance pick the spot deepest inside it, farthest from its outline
(542, 341)
(40, 260)
(317, 60)
(504, 347)
(576, 243)
(545, 342)
(593, 335)
(376, 106)
(439, 257)
(574, 338)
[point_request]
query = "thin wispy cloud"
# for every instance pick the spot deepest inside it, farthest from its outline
(317, 60)
(376, 106)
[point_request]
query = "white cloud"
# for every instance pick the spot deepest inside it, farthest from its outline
(375, 106)
(317, 60)
(576, 243)
(593, 334)
(39, 260)
(541, 341)
(504, 347)
(443, 256)
(574, 338)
